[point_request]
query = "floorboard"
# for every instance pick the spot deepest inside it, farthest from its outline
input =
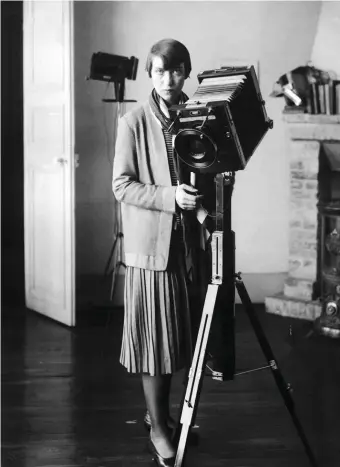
(67, 402)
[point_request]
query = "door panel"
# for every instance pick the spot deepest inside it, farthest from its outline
(49, 159)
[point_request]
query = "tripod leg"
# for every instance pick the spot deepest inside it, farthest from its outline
(284, 388)
(196, 373)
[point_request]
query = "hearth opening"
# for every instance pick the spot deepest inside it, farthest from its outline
(327, 287)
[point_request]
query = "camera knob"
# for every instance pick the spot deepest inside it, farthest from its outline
(331, 308)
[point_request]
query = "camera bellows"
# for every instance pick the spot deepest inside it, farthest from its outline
(217, 89)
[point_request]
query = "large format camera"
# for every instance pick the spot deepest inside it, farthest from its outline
(219, 128)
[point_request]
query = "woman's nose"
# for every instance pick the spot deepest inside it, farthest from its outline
(167, 77)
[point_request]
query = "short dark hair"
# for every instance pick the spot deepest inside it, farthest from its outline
(173, 54)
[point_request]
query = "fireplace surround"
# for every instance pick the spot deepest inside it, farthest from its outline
(312, 286)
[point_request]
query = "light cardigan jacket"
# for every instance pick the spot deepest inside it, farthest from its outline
(141, 182)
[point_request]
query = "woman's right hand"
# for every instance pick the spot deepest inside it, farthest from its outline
(187, 197)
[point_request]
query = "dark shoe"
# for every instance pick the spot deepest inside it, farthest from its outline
(160, 461)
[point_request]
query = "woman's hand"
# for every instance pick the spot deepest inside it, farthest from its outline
(187, 197)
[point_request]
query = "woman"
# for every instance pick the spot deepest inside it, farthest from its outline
(156, 336)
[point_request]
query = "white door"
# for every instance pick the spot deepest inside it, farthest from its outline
(49, 159)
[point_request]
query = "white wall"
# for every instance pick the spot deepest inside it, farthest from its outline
(94, 141)
(326, 48)
(279, 35)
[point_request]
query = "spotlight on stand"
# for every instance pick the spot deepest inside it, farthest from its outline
(113, 69)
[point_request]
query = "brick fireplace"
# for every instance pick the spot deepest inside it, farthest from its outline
(314, 152)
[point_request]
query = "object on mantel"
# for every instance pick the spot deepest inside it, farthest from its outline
(309, 90)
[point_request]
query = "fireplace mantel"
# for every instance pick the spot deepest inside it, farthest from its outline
(313, 127)
(291, 117)
(308, 134)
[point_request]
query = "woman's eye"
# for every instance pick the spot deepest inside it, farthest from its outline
(178, 71)
(175, 71)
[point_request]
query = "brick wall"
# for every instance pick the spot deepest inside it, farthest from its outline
(306, 133)
(304, 166)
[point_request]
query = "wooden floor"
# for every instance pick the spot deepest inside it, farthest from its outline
(66, 401)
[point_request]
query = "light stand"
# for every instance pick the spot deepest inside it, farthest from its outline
(116, 257)
(114, 69)
(219, 301)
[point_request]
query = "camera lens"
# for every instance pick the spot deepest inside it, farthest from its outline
(195, 148)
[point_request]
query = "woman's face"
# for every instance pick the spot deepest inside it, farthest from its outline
(168, 83)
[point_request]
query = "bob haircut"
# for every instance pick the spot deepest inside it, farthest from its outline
(173, 54)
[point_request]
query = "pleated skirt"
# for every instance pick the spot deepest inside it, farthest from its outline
(157, 331)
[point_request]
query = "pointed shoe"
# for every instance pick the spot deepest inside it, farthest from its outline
(158, 459)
